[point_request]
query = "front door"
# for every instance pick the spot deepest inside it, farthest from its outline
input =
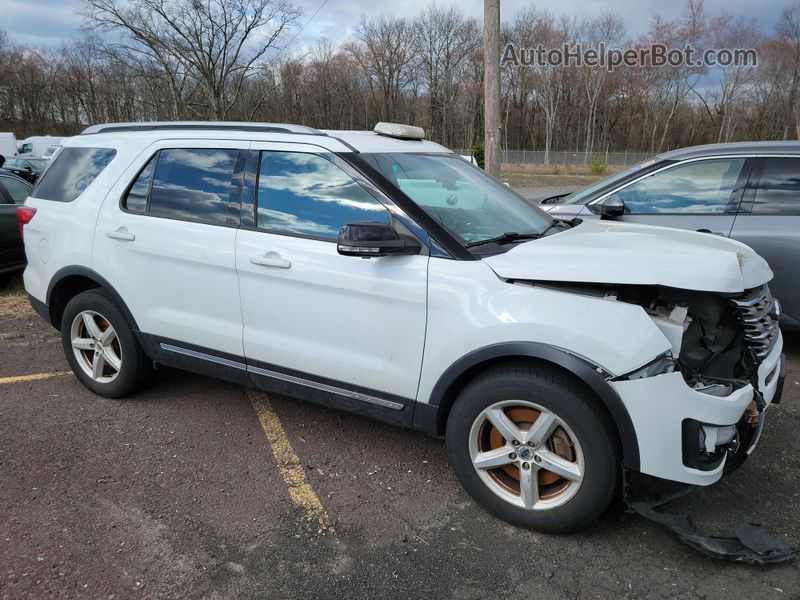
(701, 195)
(345, 322)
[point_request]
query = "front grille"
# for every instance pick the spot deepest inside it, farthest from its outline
(759, 313)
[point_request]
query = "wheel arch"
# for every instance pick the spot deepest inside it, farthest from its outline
(71, 281)
(432, 417)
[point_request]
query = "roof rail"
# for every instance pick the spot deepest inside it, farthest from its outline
(201, 125)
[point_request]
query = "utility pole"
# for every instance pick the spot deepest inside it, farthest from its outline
(491, 86)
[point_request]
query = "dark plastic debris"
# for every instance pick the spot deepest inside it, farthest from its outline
(750, 543)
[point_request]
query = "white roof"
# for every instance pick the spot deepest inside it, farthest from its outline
(329, 139)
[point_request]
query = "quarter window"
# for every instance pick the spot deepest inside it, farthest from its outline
(191, 184)
(136, 200)
(778, 188)
(306, 194)
(697, 187)
(72, 171)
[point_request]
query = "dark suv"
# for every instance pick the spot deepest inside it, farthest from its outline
(13, 192)
(748, 191)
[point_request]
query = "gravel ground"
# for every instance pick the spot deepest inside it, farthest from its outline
(176, 493)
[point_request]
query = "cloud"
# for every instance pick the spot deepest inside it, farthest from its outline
(54, 22)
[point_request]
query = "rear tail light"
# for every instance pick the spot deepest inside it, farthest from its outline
(24, 216)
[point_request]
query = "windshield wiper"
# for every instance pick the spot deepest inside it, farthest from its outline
(506, 238)
(512, 236)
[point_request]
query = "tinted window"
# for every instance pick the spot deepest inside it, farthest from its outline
(25, 148)
(136, 200)
(698, 187)
(18, 190)
(193, 184)
(308, 195)
(778, 188)
(71, 173)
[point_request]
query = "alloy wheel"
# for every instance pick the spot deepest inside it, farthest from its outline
(96, 346)
(526, 455)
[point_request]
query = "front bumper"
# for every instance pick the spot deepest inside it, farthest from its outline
(658, 407)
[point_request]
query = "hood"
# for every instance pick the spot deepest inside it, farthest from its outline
(624, 253)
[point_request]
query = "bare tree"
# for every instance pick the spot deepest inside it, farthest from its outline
(789, 29)
(607, 29)
(385, 53)
(444, 39)
(214, 43)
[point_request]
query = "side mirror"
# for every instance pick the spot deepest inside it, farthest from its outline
(612, 207)
(373, 239)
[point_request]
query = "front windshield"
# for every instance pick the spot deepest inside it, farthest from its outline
(586, 193)
(461, 197)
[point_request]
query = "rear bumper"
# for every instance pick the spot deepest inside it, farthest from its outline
(40, 307)
(659, 407)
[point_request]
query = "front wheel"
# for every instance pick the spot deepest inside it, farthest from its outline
(101, 347)
(531, 446)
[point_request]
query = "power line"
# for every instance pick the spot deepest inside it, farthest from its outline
(299, 31)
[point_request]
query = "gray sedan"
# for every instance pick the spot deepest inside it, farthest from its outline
(749, 191)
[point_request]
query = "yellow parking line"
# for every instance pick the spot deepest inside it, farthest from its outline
(288, 463)
(34, 377)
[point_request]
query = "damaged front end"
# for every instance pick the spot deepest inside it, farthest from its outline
(700, 407)
(719, 342)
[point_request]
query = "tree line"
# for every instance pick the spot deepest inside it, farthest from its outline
(229, 60)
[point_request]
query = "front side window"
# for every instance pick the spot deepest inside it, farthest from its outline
(463, 199)
(25, 149)
(191, 184)
(18, 190)
(72, 171)
(698, 187)
(306, 194)
(778, 188)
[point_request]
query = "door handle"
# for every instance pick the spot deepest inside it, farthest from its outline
(271, 259)
(711, 232)
(121, 233)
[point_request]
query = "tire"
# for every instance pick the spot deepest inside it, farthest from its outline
(575, 438)
(95, 364)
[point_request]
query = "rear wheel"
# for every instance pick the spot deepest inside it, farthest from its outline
(101, 347)
(530, 445)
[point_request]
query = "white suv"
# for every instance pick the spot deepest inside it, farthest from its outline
(383, 274)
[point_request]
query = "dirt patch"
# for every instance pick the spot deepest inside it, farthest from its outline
(529, 176)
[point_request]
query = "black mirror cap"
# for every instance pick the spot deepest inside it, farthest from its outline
(374, 239)
(612, 207)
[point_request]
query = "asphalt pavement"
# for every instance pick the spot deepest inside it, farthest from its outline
(203, 489)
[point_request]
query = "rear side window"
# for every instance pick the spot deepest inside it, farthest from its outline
(17, 189)
(72, 171)
(778, 189)
(190, 184)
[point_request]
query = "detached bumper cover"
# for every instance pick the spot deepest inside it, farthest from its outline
(658, 407)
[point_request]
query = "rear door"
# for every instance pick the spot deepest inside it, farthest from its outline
(13, 193)
(769, 222)
(702, 195)
(165, 240)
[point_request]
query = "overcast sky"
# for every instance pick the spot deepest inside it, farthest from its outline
(52, 22)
